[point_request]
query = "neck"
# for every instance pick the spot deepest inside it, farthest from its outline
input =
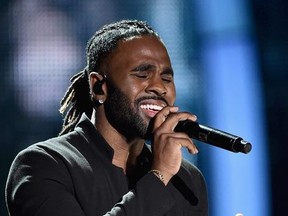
(127, 158)
(125, 151)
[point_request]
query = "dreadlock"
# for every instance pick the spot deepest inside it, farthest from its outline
(77, 99)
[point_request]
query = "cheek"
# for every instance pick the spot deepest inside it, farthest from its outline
(132, 90)
(135, 91)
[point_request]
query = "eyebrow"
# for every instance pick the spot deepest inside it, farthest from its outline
(168, 71)
(144, 66)
(147, 66)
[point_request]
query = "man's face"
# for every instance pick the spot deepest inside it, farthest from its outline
(139, 82)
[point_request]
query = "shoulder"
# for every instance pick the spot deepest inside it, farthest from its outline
(54, 159)
(191, 173)
(189, 167)
(54, 151)
(55, 145)
(43, 168)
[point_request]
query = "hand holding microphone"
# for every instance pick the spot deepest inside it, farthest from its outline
(167, 145)
(214, 137)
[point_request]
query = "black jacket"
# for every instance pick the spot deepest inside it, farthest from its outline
(73, 175)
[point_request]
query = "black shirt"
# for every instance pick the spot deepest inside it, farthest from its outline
(73, 175)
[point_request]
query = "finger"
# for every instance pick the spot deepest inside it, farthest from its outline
(182, 140)
(174, 118)
(187, 143)
(187, 116)
(163, 114)
(192, 148)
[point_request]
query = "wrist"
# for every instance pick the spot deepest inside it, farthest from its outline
(160, 176)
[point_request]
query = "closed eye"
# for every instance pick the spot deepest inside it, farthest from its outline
(143, 71)
(142, 75)
(167, 77)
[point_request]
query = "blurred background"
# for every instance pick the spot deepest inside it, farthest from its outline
(230, 62)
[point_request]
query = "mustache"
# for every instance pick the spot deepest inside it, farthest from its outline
(152, 98)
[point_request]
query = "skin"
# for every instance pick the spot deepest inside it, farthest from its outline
(141, 70)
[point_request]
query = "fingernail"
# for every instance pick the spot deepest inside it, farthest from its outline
(175, 109)
(195, 117)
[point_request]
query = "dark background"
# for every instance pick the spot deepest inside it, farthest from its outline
(270, 28)
(270, 19)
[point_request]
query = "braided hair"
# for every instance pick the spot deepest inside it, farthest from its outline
(77, 99)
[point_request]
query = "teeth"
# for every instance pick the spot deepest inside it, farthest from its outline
(151, 107)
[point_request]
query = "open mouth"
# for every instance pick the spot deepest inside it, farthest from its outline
(151, 110)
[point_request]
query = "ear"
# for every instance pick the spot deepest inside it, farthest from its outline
(97, 85)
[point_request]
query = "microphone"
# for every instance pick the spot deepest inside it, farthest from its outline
(214, 137)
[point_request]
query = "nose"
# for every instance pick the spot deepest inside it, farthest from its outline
(156, 86)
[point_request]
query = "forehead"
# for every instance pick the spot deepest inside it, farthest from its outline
(139, 48)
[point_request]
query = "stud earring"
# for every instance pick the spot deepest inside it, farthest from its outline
(101, 101)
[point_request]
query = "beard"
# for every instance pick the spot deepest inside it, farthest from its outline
(123, 114)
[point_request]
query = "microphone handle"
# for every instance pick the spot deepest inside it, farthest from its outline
(214, 137)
